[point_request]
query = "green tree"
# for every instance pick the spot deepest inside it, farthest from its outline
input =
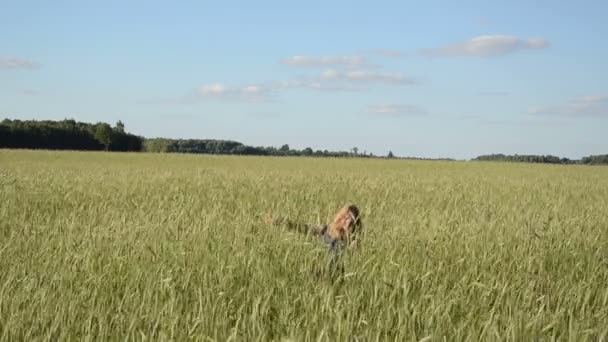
(103, 134)
(390, 154)
(120, 127)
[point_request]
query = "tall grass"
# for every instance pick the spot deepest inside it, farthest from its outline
(103, 246)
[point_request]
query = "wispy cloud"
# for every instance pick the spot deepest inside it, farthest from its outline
(326, 61)
(482, 21)
(493, 93)
(348, 73)
(487, 46)
(29, 91)
(364, 76)
(593, 105)
(16, 63)
(396, 110)
(252, 93)
(315, 84)
(216, 89)
(384, 52)
(329, 80)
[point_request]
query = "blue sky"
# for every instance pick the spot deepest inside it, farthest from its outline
(426, 78)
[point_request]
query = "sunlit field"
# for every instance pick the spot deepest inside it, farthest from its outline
(114, 246)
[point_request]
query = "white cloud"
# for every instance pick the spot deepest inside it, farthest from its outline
(255, 93)
(316, 85)
(363, 76)
(396, 110)
(213, 89)
(249, 93)
(384, 52)
(581, 106)
(329, 80)
(252, 90)
(487, 46)
(16, 63)
(536, 43)
(325, 61)
(351, 80)
(350, 76)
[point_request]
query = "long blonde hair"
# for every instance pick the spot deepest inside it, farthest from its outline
(346, 223)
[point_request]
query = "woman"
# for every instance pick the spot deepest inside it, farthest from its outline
(343, 231)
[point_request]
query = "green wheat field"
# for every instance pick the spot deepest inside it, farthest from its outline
(132, 246)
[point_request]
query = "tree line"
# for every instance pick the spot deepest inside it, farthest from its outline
(69, 134)
(547, 159)
(211, 146)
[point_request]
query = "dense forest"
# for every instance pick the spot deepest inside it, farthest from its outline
(69, 134)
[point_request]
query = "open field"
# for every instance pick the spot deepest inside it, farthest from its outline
(108, 246)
